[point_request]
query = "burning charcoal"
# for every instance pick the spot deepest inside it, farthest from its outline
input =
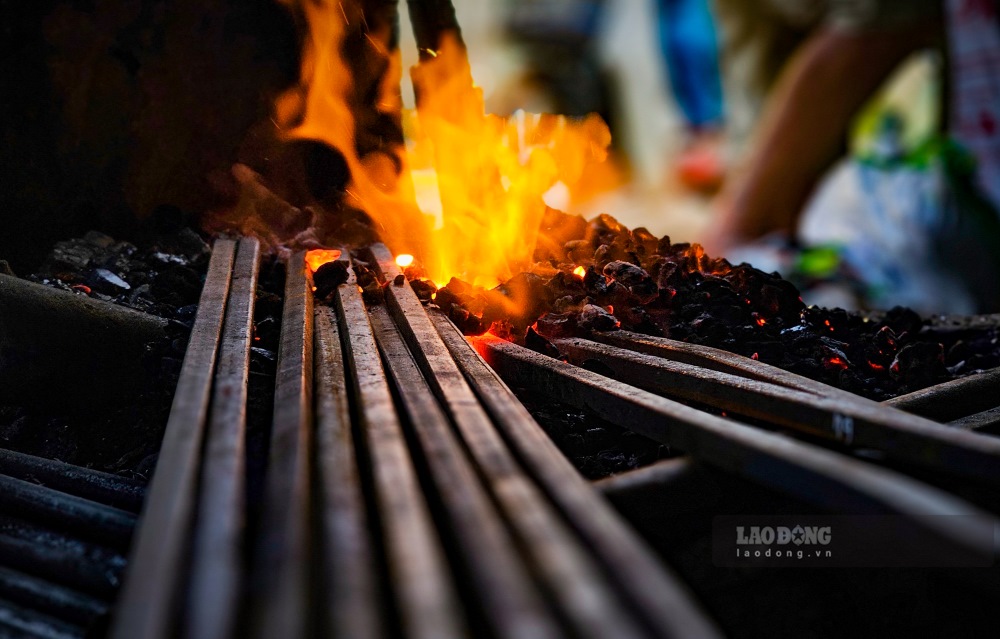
(604, 229)
(556, 325)
(424, 289)
(466, 322)
(104, 281)
(663, 246)
(177, 286)
(328, 277)
(645, 242)
(628, 274)
(539, 344)
(98, 239)
(665, 271)
(918, 365)
(557, 228)
(595, 318)
(399, 280)
(903, 321)
(578, 251)
(594, 282)
(520, 299)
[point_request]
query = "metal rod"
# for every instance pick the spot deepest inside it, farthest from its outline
(570, 571)
(653, 592)
(280, 586)
(861, 423)
(52, 599)
(952, 400)
(87, 519)
(510, 601)
(349, 598)
(146, 604)
(806, 471)
(425, 596)
(216, 571)
(94, 485)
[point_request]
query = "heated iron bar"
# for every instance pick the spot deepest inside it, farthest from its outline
(806, 471)
(858, 423)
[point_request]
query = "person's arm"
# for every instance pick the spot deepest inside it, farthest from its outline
(804, 127)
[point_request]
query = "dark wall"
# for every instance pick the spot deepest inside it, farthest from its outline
(110, 109)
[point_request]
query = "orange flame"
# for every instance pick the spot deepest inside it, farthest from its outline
(475, 202)
(318, 257)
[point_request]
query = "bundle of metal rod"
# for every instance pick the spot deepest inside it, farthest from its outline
(800, 404)
(207, 415)
(104, 488)
(830, 480)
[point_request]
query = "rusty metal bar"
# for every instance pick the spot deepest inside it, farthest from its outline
(511, 602)
(349, 593)
(806, 471)
(656, 596)
(280, 587)
(860, 423)
(214, 582)
(952, 400)
(145, 607)
(425, 597)
(87, 483)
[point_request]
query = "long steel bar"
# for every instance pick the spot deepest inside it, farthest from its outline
(94, 485)
(280, 588)
(425, 597)
(510, 601)
(215, 573)
(657, 596)
(88, 519)
(859, 423)
(145, 607)
(571, 573)
(56, 600)
(806, 471)
(952, 400)
(349, 593)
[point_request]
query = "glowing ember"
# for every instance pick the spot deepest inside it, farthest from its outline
(404, 260)
(318, 257)
(837, 363)
(579, 271)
